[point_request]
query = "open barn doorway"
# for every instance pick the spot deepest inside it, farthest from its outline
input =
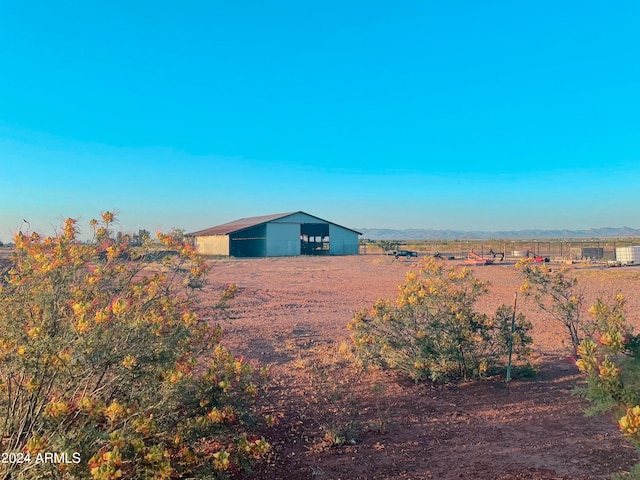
(250, 242)
(314, 238)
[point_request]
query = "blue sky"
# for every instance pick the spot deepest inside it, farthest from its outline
(407, 114)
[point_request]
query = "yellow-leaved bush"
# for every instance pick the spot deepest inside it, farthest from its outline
(104, 358)
(609, 357)
(556, 293)
(432, 330)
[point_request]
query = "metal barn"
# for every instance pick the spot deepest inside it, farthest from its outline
(278, 235)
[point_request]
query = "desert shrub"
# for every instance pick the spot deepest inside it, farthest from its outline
(104, 363)
(386, 245)
(432, 330)
(556, 293)
(610, 359)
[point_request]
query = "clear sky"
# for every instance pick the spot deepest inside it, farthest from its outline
(428, 114)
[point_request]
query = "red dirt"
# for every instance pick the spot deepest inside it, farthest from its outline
(337, 422)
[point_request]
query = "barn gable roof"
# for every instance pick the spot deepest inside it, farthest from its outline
(248, 222)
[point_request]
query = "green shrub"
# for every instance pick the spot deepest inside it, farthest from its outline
(556, 293)
(610, 359)
(432, 330)
(386, 245)
(102, 358)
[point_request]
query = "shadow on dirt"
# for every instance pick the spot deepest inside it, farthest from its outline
(530, 428)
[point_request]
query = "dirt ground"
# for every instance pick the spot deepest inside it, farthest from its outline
(338, 422)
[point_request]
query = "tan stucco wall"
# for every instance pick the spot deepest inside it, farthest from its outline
(213, 245)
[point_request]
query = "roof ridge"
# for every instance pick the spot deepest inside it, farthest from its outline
(248, 222)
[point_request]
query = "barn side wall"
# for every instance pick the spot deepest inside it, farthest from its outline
(283, 239)
(342, 241)
(212, 245)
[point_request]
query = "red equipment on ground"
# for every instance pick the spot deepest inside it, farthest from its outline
(474, 259)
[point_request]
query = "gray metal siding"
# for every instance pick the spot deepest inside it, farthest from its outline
(342, 241)
(283, 239)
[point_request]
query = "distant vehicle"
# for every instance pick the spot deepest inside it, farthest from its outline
(401, 253)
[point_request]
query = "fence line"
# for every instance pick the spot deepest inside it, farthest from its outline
(556, 250)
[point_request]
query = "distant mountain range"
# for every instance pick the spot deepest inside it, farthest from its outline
(430, 234)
